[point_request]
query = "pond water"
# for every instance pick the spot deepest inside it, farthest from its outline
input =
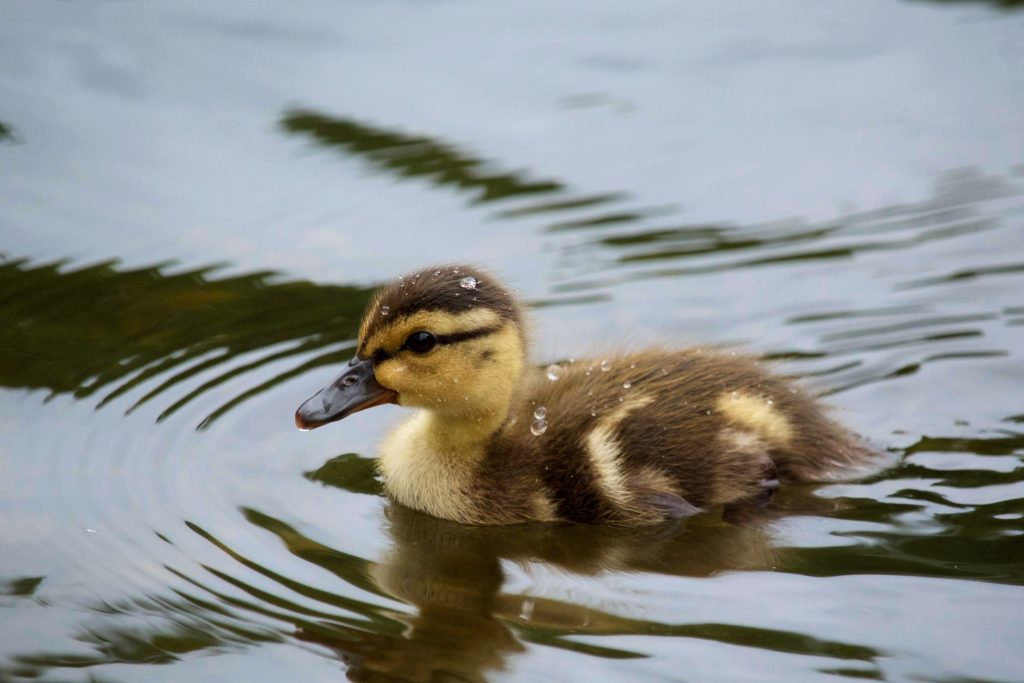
(197, 199)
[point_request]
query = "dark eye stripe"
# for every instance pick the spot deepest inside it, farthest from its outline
(456, 337)
(380, 355)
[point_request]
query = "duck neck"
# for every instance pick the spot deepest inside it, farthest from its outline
(464, 433)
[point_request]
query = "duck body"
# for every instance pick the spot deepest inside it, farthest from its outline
(627, 439)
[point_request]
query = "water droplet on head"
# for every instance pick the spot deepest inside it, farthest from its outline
(627, 384)
(605, 366)
(384, 310)
(540, 413)
(468, 282)
(632, 366)
(455, 270)
(771, 402)
(664, 371)
(554, 372)
(593, 413)
(707, 412)
(538, 427)
(437, 273)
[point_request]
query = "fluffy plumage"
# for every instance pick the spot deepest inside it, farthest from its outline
(628, 439)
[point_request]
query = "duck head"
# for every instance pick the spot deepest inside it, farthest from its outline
(448, 339)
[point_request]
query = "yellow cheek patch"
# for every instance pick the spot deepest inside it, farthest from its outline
(757, 414)
(391, 337)
(476, 376)
(391, 373)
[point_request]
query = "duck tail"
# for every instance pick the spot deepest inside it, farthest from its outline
(828, 452)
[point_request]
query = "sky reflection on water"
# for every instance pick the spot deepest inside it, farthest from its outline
(198, 199)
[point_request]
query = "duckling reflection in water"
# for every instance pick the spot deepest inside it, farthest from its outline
(631, 439)
(466, 627)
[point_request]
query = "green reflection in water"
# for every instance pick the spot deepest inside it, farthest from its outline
(444, 164)
(103, 329)
(148, 631)
(1001, 4)
(464, 625)
(957, 208)
(965, 541)
(351, 472)
(7, 133)
(24, 586)
(411, 156)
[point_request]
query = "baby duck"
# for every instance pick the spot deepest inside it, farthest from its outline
(632, 439)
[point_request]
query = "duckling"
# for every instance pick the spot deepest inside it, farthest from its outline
(636, 438)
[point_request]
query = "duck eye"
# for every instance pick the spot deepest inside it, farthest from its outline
(420, 342)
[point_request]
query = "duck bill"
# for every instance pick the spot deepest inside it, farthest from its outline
(354, 390)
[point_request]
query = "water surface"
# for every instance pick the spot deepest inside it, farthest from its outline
(197, 201)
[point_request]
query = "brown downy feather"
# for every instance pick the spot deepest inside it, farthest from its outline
(630, 439)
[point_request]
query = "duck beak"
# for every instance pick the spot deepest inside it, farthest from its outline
(354, 390)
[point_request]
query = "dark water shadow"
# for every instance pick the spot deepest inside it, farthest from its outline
(101, 330)
(445, 164)
(8, 134)
(965, 541)
(415, 156)
(956, 208)
(21, 587)
(1007, 5)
